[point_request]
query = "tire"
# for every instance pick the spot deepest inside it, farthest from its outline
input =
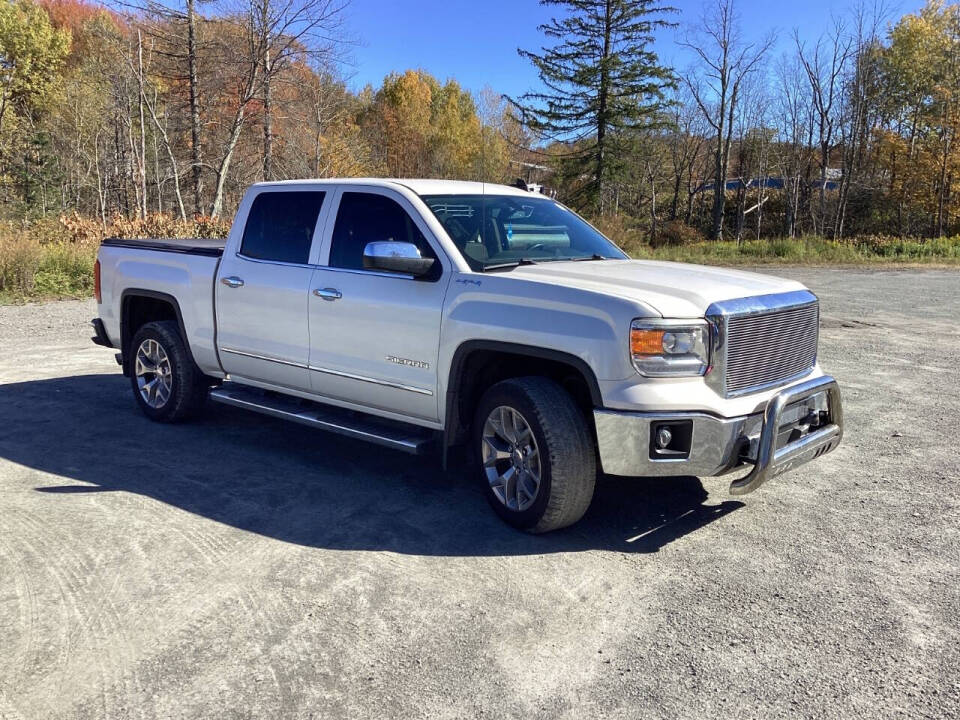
(180, 389)
(566, 454)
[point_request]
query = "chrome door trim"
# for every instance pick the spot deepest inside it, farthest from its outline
(375, 273)
(263, 357)
(281, 263)
(374, 381)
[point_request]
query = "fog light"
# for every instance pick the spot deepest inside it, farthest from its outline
(671, 439)
(664, 436)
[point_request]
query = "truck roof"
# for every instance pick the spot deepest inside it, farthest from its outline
(419, 186)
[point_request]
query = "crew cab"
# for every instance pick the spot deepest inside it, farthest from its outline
(476, 321)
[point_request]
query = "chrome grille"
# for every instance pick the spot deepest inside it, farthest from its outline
(764, 348)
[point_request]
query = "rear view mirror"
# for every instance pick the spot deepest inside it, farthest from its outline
(398, 257)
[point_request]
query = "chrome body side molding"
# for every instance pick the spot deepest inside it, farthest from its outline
(262, 357)
(374, 381)
(328, 371)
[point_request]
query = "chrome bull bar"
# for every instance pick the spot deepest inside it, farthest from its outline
(772, 461)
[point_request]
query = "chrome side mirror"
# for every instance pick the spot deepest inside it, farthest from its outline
(398, 257)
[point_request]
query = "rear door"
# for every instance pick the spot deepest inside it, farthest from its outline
(263, 288)
(375, 336)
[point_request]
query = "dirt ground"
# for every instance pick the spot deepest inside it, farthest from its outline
(240, 567)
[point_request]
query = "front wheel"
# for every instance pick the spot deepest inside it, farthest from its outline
(535, 453)
(167, 384)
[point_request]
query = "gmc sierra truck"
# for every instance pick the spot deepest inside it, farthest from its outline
(476, 319)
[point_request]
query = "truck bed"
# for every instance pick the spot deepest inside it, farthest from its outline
(181, 270)
(211, 247)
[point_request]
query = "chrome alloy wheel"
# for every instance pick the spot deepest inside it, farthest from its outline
(154, 375)
(511, 459)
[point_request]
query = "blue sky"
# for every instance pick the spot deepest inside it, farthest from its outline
(476, 41)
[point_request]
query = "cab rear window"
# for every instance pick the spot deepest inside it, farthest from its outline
(280, 226)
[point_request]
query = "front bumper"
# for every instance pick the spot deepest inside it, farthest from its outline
(785, 435)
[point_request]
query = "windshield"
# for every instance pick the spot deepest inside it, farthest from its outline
(505, 230)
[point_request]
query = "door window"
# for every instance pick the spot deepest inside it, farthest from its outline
(365, 218)
(280, 226)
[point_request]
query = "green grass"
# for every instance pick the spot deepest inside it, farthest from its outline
(811, 251)
(64, 271)
(29, 271)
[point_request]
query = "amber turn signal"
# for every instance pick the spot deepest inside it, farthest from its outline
(644, 341)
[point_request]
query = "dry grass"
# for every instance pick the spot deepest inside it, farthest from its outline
(53, 258)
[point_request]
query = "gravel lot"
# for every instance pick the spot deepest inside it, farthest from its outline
(243, 567)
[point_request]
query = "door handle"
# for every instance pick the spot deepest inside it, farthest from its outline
(233, 281)
(329, 294)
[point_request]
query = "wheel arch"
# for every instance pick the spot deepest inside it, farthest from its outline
(477, 364)
(139, 306)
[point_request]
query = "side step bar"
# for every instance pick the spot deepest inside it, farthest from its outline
(396, 435)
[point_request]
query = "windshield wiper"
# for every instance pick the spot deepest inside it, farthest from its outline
(528, 261)
(513, 264)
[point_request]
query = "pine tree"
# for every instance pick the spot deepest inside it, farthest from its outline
(602, 81)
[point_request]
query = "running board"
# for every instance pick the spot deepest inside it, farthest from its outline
(396, 435)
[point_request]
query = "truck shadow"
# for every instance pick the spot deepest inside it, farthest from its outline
(304, 486)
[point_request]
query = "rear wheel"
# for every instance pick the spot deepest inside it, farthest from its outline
(535, 454)
(167, 384)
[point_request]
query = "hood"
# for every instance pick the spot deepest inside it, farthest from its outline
(675, 290)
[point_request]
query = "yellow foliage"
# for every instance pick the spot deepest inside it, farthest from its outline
(425, 128)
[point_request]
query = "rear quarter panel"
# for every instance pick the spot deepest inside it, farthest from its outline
(187, 278)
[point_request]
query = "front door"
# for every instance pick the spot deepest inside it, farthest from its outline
(375, 336)
(263, 289)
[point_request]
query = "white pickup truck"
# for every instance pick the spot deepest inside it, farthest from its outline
(423, 314)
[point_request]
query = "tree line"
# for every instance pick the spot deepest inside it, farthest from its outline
(177, 110)
(851, 133)
(173, 108)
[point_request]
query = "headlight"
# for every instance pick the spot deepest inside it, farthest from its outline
(670, 348)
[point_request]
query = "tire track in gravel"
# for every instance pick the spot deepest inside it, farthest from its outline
(7, 710)
(29, 552)
(184, 619)
(180, 618)
(16, 660)
(100, 622)
(93, 620)
(207, 544)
